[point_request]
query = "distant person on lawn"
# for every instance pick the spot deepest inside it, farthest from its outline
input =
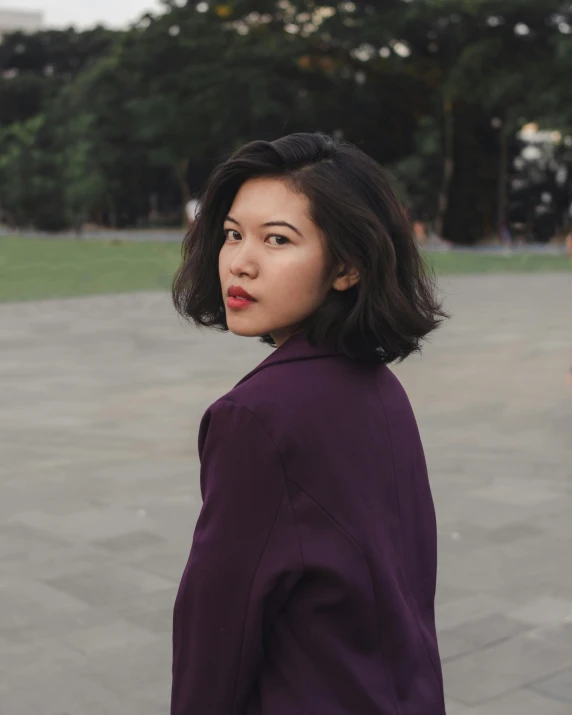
(192, 209)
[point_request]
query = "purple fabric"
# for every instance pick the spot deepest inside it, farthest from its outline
(310, 585)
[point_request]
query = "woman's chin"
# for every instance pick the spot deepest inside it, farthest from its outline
(245, 331)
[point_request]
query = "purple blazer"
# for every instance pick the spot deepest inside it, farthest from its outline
(310, 585)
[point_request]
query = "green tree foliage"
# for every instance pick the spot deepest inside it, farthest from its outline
(34, 72)
(35, 67)
(31, 193)
(492, 58)
(124, 124)
(105, 167)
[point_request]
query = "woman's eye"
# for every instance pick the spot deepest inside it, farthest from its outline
(233, 235)
(280, 238)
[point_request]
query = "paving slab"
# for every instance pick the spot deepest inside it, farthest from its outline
(99, 492)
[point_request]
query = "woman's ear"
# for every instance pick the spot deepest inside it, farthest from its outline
(346, 277)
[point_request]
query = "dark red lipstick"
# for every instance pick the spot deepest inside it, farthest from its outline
(239, 298)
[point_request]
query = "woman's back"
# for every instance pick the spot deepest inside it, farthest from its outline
(343, 587)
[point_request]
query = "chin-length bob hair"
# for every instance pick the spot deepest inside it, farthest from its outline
(384, 316)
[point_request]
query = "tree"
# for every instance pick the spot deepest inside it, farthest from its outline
(35, 67)
(201, 88)
(29, 186)
(433, 89)
(104, 167)
(34, 70)
(481, 50)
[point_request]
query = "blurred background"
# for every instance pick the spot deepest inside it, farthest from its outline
(112, 115)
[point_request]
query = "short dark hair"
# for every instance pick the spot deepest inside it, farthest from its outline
(384, 316)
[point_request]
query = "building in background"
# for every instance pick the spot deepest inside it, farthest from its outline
(23, 20)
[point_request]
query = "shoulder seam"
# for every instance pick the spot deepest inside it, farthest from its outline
(330, 517)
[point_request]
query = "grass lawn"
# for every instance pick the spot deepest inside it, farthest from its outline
(455, 262)
(58, 268)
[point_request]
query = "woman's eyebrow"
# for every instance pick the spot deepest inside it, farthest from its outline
(270, 223)
(283, 223)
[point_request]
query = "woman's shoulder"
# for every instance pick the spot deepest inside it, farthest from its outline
(307, 386)
(230, 418)
(298, 394)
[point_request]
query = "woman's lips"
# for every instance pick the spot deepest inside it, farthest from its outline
(235, 303)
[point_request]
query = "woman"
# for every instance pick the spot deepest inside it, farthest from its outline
(310, 584)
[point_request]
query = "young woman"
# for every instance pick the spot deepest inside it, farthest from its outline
(310, 585)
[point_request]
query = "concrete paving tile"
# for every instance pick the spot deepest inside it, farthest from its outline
(146, 602)
(544, 611)
(455, 708)
(521, 702)
(56, 693)
(116, 584)
(558, 687)
(107, 637)
(168, 565)
(87, 525)
(498, 669)
(493, 515)
(461, 538)
(479, 605)
(160, 621)
(45, 565)
(490, 569)
(514, 532)
(43, 677)
(445, 593)
(478, 633)
(25, 603)
(99, 460)
(512, 492)
(17, 659)
(144, 670)
(19, 540)
(131, 541)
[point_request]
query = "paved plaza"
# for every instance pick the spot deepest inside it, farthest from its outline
(99, 493)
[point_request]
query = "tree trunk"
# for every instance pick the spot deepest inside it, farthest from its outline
(448, 166)
(502, 179)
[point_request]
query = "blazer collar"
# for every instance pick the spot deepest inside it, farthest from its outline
(295, 348)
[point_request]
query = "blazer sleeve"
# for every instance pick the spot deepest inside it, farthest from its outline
(244, 561)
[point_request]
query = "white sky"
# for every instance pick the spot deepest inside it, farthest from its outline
(85, 13)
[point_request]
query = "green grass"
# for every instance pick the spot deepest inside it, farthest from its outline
(460, 262)
(58, 268)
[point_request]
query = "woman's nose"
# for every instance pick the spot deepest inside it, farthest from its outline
(244, 258)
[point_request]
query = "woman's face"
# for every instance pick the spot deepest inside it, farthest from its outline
(275, 252)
